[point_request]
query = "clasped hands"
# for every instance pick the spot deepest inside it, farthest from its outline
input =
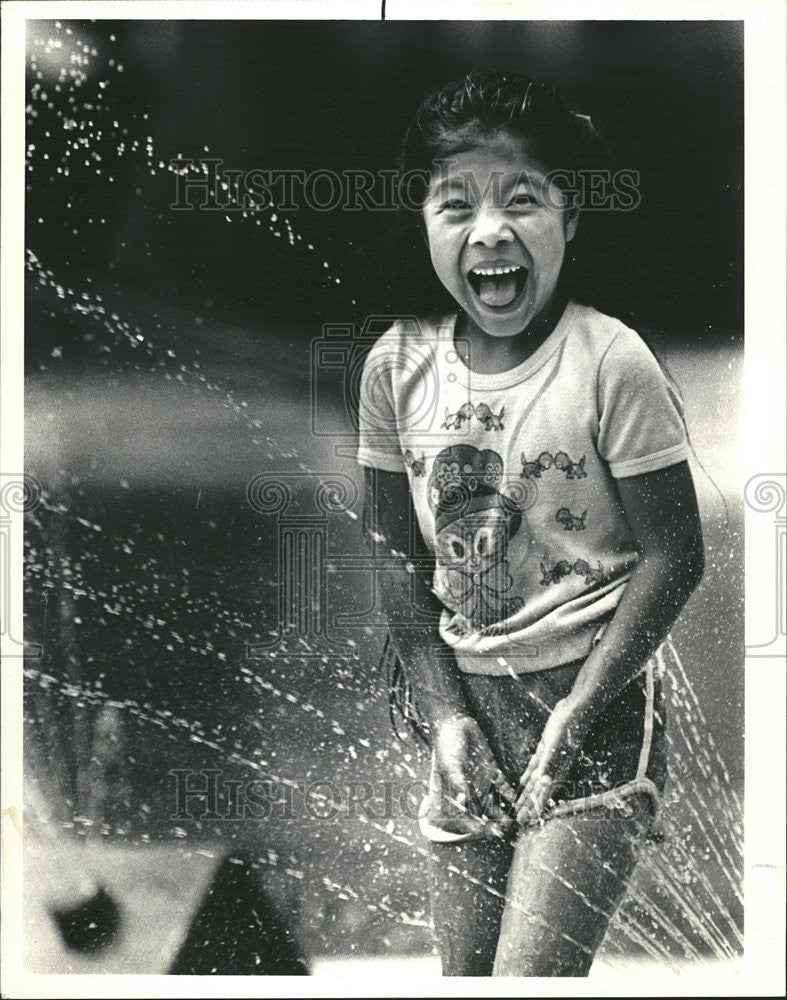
(470, 794)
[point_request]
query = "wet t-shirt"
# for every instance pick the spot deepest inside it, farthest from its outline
(513, 475)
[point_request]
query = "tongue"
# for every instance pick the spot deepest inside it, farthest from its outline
(497, 289)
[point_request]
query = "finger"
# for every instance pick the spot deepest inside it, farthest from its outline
(536, 782)
(529, 812)
(526, 792)
(541, 788)
(532, 764)
(524, 816)
(526, 800)
(534, 795)
(529, 820)
(548, 761)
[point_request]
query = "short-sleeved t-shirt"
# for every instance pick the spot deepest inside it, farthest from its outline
(513, 475)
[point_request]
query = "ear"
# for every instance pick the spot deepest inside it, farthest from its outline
(570, 223)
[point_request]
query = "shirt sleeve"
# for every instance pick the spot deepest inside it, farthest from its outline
(641, 426)
(378, 432)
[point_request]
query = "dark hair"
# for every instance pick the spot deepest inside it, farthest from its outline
(465, 113)
(485, 103)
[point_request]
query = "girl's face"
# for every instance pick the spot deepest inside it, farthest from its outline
(497, 232)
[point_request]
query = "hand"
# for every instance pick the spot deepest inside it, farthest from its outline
(562, 737)
(467, 789)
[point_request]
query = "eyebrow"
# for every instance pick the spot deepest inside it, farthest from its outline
(506, 182)
(448, 183)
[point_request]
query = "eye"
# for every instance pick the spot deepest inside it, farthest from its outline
(455, 205)
(523, 199)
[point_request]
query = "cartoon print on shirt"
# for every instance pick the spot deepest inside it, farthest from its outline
(582, 568)
(564, 568)
(454, 421)
(418, 465)
(483, 413)
(530, 469)
(573, 470)
(570, 521)
(554, 575)
(474, 523)
(491, 421)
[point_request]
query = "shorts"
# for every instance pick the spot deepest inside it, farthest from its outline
(624, 753)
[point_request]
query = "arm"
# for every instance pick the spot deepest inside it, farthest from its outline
(661, 508)
(407, 598)
(465, 765)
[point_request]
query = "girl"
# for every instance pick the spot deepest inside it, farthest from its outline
(527, 483)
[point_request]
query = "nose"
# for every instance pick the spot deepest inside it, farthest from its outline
(490, 227)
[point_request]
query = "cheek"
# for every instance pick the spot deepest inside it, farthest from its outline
(435, 255)
(439, 242)
(444, 262)
(549, 244)
(442, 245)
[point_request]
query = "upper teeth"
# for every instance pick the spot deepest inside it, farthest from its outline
(497, 269)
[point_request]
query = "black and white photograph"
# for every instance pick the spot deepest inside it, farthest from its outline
(392, 535)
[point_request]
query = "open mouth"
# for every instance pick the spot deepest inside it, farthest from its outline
(497, 285)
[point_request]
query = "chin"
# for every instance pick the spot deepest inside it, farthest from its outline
(500, 323)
